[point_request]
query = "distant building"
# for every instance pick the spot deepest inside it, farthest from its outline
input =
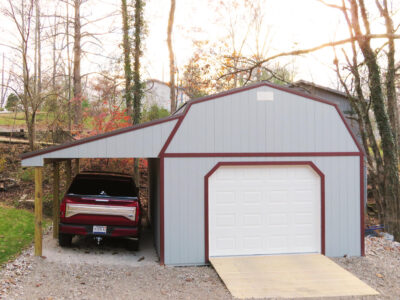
(157, 92)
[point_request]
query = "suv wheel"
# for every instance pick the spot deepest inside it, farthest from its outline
(64, 240)
(133, 245)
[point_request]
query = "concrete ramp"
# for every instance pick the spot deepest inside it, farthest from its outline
(287, 276)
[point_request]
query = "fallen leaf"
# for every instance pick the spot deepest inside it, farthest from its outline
(44, 257)
(38, 284)
(379, 275)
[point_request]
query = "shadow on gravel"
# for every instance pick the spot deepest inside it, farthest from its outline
(111, 251)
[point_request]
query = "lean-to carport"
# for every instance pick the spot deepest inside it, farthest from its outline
(140, 141)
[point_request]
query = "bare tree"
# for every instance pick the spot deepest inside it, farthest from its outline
(171, 57)
(391, 72)
(77, 79)
(22, 15)
(126, 43)
(4, 84)
(137, 54)
(383, 159)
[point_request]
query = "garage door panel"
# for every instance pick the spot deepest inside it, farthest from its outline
(227, 243)
(226, 220)
(251, 197)
(303, 206)
(302, 229)
(251, 220)
(253, 243)
(276, 212)
(278, 219)
(277, 244)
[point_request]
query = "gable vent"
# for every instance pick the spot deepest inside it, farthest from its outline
(265, 96)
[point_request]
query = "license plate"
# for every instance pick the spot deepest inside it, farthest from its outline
(100, 229)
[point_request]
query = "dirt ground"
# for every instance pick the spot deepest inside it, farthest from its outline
(108, 271)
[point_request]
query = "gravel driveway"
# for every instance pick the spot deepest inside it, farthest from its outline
(88, 271)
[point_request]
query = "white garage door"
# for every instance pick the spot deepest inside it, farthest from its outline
(264, 209)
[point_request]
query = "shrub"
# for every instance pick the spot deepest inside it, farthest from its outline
(2, 163)
(27, 175)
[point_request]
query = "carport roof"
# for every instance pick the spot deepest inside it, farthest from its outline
(97, 137)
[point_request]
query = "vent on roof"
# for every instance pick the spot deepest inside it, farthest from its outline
(265, 96)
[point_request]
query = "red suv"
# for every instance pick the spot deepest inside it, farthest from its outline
(101, 205)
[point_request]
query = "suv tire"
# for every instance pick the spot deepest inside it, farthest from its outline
(64, 240)
(132, 245)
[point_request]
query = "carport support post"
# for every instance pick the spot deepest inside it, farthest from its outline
(38, 210)
(68, 170)
(76, 166)
(56, 198)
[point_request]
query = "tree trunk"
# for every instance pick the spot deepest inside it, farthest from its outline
(138, 88)
(127, 58)
(171, 57)
(389, 147)
(391, 74)
(77, 80)
(69, 67)
(3, 96)
(39, 53)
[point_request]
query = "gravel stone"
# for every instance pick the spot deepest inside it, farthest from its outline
(75, 274)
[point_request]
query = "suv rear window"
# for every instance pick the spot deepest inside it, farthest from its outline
(101, 186)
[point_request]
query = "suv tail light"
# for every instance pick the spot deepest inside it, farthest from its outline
(62, 209)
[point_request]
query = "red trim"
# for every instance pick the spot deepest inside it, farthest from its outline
(256, 163)
(242, 89)
(349, 130)
(173, 132)
(362, 204)
(162, 256)
(261, 154)
(97, 137)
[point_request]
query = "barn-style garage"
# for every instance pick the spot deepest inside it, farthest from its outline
(257, 170)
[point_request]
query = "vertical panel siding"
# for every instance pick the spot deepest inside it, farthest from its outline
(154, 168)
(144, 142)
(184, 205)
(240, 123)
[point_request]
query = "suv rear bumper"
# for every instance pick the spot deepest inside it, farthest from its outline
(114, 231)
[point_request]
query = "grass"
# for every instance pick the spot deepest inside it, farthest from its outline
(7, 119)
(16, 232)
(42, 118)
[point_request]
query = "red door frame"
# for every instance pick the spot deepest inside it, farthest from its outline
(262, 163)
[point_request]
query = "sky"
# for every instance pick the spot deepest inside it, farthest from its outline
(289, 24)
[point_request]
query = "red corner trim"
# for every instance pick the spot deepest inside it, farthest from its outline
(162, 251)
(362, 205)
(253, 163)
(241, 89)
(261, 154)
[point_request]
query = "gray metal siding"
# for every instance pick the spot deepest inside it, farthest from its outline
(154, 168)
(344, 105)
(144, 142)
(184, 205)
(240, 123)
